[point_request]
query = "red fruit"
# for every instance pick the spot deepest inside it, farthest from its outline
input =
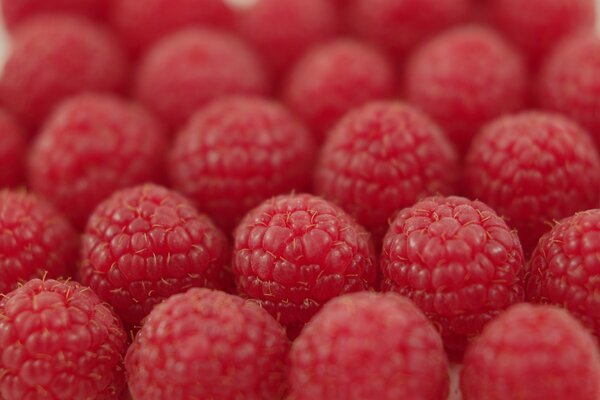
(146, 243)
(369, 346)
(334, 78)
(16, 11)
(40, 73)
(12, 151)
(532, 353)
(206, 344)
(186, 70)
(59, 341)
(465, 78)
(534, 168)
(238, 152)
(90, 147)
(373, 163)
(457, 260)
(294, 253)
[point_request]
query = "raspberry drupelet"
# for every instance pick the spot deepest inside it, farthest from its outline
(205, 344)
(238, 152)
(368, 346)
(60, 342)
(381, 158)
(294, 253)
(40, 73)
(17, 11)
(335, 78)
(13, 147)
(457, 260)
(532, 353)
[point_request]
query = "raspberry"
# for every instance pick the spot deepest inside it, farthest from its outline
(16, 11)
(532, 353)
(12, 151)
(381, 158)
(186, 70)
(146, 243)
(142, 23)
(293, 253)
(281, 31)
(90, 147)
(238, 152)
(39, 73)
(464, 78)
(206, 344)
(59, 341)
(344, 353)
(457, 260)
(570, 82)
(534, 168)
(336, 77)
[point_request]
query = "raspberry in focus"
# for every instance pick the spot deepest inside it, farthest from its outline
(368, 346)
(532, 353)
(206, 344)
(457, 260)
(238, 152)
(294, 253)
(146, 243)
(17, 11)
(13, 146)
(381, 158)
(59, 341)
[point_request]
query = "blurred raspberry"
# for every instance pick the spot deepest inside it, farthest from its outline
(90, 147)
(207, 344)
(532, 353)
(186, 70)
(457, 260)
(464, 78)
(294, 253)
(40, 72)
(13, 147)
(238, 152)
(334, 78)
(381, 158)
(59, 341)
(344, 353)
(17, 11)
(146, 243)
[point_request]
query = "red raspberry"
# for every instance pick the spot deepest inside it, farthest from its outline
(146, 243)
(464, 78)
(16, 11)
(90, 147)
(281, 31)
(206, 344)
(294, 253)
(534, 168)
(532, 353)
(186, 70)
(13, 147)
(59, 341)
(336, 77)
(39, 72)
(457, 260)
(142, 23)
(369, 346)
(381, 158)
(236, 153)
(35, 241)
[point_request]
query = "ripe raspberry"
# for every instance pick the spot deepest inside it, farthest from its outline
(534, 168)
(334, 78)
(12, 151)
(464, 78)
(146, 243)
(238, 152)
(281, 31)
(457, 260)
(142, 23)
(344, 353)
(294, 253)
(186, 70)
(381, 158)
(532, 353)
(16, 11)
(206, 344)
(39, 73)
(59, 341)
